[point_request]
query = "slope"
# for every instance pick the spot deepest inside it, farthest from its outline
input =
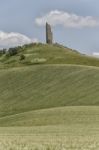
(44, 54)
(62, 116)
(26, 89)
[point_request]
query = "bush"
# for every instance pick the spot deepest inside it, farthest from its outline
(15, 50)
(12, 51)
(22, 57)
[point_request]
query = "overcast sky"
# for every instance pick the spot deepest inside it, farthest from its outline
(75, 23)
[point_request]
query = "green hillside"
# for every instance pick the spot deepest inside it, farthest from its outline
(61, 116)
(37, 87)
(45, 82)
(44, 54)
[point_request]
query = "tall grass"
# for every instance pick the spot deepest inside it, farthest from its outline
(48, 141)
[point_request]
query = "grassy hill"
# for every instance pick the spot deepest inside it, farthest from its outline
(49, 99)
(49, 80)
(40, 87)
(44, 54)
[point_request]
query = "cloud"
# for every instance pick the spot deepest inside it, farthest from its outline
(13, 39)
(68, 20)
(96, 54)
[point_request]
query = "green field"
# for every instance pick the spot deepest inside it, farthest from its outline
(65, 128)
(37, 87)
(50, 100)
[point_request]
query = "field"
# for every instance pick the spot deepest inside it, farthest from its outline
(50, 100)
(31, 88)
(76, 128)
(48, 141)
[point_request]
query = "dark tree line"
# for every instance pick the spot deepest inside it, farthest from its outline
(3, 51)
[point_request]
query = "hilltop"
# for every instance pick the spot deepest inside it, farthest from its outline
(33, 54)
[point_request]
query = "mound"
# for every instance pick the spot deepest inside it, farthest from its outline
(44, 54)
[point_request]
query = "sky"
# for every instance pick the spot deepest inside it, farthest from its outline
(75, 23)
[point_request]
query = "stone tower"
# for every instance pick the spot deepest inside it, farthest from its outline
(49, 34)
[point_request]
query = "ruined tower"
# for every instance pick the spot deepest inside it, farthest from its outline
(49, 34)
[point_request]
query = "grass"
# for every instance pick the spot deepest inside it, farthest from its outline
(37, 87)
(74, 128)
(50, 100)
(54, 116)
(46, 54)
(47, 142)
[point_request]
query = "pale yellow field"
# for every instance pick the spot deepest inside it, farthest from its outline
(49, 138)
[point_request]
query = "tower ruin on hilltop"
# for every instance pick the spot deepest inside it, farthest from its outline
(49, 34)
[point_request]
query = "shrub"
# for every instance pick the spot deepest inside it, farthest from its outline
(12, 51)
(22, 57)
(15, 50)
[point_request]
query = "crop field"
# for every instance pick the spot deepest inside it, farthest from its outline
(26, 89)
(51, 138)
(49, 107)
(49, 100)
(68, 128)
(48, 143)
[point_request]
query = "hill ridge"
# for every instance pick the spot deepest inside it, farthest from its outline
(40, 54)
